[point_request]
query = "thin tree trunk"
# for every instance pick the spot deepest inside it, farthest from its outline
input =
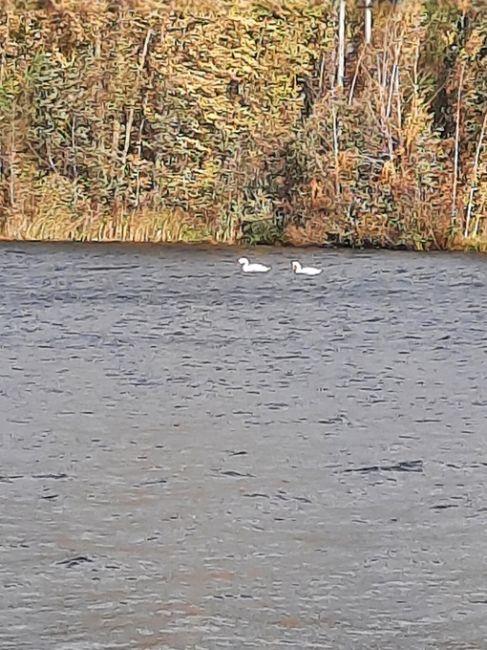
(368, 22)
(355, 77)
(336, 150)
(398, 99)
(394, 75)
(139, 148)
(74, 161)
(73, 147)
(342, 17)
(473, 187)
(130, 119)
(11, 165)
(457, 149)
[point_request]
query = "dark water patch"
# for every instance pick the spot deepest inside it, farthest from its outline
(159, 481)
(284, 496)
(75, 561)
(233, 474)
(102, 269)
(402, 466)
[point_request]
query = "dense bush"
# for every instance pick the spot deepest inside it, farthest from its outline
(223, 119)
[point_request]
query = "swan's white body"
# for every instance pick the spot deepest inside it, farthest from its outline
(247, 267)
(305, 270)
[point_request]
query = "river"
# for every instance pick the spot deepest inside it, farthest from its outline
(195, 458)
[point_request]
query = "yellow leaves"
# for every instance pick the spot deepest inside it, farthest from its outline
(236, 16)
(63, 60)
(213, 117)
(196, 145)
(475, 43)
(448, 38)
(348, 160)
(464, 5)
(388, 174)
(245, 63)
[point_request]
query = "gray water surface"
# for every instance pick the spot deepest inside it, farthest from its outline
(196, 458)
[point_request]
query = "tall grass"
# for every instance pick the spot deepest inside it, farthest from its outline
(222, 120)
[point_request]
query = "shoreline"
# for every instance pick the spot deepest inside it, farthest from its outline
(465, 247)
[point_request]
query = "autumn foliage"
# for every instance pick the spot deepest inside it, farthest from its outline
(222, 120)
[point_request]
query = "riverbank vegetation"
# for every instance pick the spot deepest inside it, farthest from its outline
(295, 121)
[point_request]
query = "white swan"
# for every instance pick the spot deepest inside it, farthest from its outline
(304, 270)
(247, 267)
